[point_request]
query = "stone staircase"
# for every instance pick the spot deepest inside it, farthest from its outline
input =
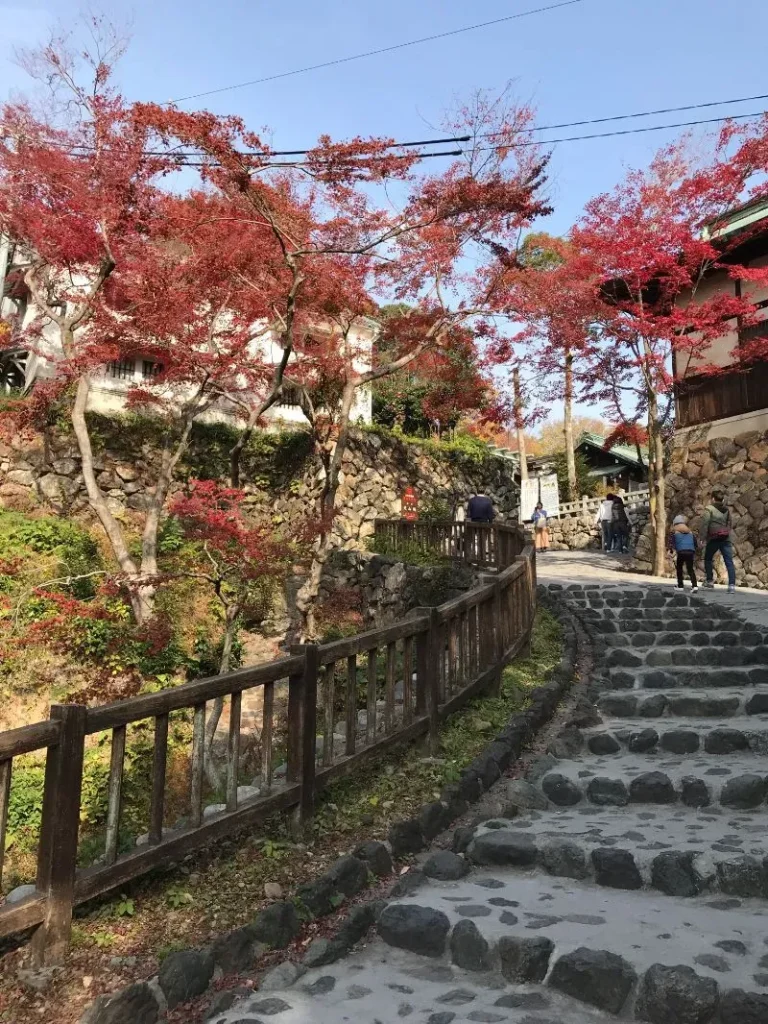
(628, 876)
(630, 871)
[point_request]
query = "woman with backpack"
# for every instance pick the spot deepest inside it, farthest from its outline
(716, 533)
(540, 531)
(621, 525)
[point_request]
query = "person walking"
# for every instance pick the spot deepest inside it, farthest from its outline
(480, 509)
(716, 535)
(540, 529)
(682, 542)
(604, 519)
(620, 523)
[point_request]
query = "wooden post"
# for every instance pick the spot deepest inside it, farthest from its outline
(57, 853)
(429, 653)
(302, 731)
(496, 618)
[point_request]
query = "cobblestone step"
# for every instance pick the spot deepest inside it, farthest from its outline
(730, 656)
(680, 735)
(606, 947)
(681, 677)
(696, 780)
(744, 637)
(675, 850)
(386, 985)
(688, 703)
(639, 624)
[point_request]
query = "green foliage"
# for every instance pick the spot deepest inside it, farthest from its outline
(207, 655)
(435, 510)
(585, 484)
(73, 550)
(410, 552)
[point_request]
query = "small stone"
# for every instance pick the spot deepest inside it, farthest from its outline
(276, 926)
(418, 929)
(742, 876)
(523, 1001)
(734, 946)
(281, 977)
(404, 1010)
(136, 1003)
(406, 838)
(270, 1007)
(408, 883)
(564, 859)
(520, 793)
(567, 743)
(604, 743)
(561, 790)
(321, 987)
(502, 848)
(473, 910)
(21, 892)
(676, 995)
(525, 960)
(739, 1007)
(508, 918)
(235, 951)
(456, 997)
(462, 837)
(726, 741)
(445, 866)
(745, 792)
(653, 788)
(616, 869)
(376, 856)
(441, 1018)
(184, 975)
(486, 1017)
(225, 1000)
(607, 792)
(695, 792)
(273, 891)
(642, 741)
(713, 962)
(469, 950)
(490, 883)
(672, 872)
(680, 741)
(596, 977)
(358, 992)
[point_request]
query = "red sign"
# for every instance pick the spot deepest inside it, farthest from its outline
(410, 504)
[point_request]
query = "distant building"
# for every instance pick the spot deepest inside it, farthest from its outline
(20, 368)
(736, 400)
(618, 468)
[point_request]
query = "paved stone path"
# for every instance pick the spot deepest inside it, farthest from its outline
(628, 875)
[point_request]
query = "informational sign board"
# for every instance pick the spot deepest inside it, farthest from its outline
(529, 495)
(549, 494)
(410, 504)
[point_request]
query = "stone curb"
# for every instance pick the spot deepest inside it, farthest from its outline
(188, 974)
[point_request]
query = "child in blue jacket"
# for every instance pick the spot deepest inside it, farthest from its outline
(682, 541)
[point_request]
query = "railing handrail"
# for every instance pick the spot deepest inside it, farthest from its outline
(447, 655)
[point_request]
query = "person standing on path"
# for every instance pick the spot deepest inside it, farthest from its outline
(620, 523)
(716, 534)
(682, 542)
(604, 520)
(540, 530)
(480, 509)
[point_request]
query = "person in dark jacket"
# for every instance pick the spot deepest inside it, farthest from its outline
(682, 542)
(620, 524)
(716, 534)
(480, 509)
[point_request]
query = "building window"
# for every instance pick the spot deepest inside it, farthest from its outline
(150, 369)
(291, 395)
(122, 369)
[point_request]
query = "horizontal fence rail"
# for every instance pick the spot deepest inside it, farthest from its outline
(286, 729)
(574, 508)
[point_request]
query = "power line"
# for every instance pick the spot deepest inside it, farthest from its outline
(383, 49)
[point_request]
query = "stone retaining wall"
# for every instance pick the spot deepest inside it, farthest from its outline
(376, 470)
(578, 532)
(739, 467)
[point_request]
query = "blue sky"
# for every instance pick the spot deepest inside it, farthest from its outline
(594, 59)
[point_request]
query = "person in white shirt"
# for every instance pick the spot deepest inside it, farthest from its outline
(604, 519)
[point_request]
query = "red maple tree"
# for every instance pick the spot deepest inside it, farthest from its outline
(653, 243)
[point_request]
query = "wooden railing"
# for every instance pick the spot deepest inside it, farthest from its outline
(344, 702)
(575, 508)
(484, 545)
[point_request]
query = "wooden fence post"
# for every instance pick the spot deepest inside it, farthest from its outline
(302, 731)
(429, 653)
(57, 853)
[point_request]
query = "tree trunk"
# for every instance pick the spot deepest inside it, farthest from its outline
(306, 599)
(211, 770)
(570, 454)
(519, 423)
(141, 610)
(657, 487)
